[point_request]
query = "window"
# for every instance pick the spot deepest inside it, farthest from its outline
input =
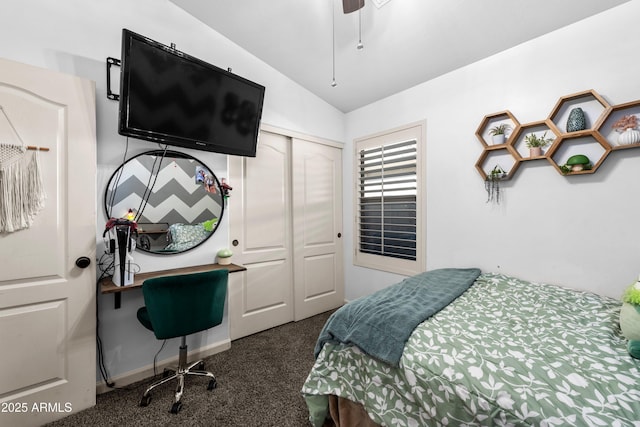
(388, 178)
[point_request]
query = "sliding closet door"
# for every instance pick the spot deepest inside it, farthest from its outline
(260, 229)
(317, 228)
(286, 217)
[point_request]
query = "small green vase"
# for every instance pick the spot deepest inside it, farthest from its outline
(630, 321)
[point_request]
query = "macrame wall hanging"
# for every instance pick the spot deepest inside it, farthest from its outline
(22, 192)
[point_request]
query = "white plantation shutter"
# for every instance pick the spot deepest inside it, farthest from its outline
(388, 202)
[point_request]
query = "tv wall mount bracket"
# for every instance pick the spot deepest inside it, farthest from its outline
(114, 62)
(111, 62)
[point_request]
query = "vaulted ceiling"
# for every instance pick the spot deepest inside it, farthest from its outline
(406, 42)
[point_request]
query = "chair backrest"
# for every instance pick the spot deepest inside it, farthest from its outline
(187, 303)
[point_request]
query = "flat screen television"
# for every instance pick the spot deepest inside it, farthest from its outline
(170, 97)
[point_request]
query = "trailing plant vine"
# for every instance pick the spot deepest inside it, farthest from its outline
(492, 184)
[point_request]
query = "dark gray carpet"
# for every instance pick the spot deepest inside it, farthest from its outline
(259, 382)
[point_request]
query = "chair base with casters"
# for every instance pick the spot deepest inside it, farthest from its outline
(177, 306)
(181, 371)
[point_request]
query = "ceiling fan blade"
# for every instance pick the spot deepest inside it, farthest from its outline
(349, 6)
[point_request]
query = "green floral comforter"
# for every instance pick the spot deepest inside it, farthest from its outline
(505, 353)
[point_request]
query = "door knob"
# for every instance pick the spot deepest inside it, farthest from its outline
(83, 262)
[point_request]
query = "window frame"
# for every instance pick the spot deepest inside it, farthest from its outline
(413, 131)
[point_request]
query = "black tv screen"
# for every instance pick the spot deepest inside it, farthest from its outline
(170, 97)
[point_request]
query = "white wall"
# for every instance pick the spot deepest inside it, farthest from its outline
(580, 231)
(76, 37)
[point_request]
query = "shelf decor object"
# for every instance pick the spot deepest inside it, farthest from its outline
(577, 120)
(576, 163)
(629, 136)
(627, 128)
(224, 256)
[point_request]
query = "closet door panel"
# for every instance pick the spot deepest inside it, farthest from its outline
(317, 227)
(260, 205)
(263, 288)
(317, 283)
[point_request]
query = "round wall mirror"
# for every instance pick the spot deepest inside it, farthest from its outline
(175, 199)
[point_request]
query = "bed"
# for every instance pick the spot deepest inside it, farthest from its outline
(505, 352)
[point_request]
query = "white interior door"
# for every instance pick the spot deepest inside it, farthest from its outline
(317, 228)
(260, 228)
(47, 303)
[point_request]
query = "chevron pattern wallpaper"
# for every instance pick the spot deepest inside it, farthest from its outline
(176, 196)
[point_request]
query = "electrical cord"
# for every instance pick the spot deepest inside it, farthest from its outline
(104, 272)
(99, 349)
(155, 358)
(117, 176)
(149, 190)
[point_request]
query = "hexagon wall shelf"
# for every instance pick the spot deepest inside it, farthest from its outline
(496, 119)
(592, 145)
(610, 134)
(540, 129)
(503, 157)
(593, 105)
(596, 141)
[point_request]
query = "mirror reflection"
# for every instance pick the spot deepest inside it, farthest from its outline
(175, 199)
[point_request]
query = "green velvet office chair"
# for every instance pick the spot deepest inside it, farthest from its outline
(177, 306)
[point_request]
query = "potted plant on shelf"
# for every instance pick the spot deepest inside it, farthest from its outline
(627, 130)
(536, 143)
(492, 184)
(498, 133)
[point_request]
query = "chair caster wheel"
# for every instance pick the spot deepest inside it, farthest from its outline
(212, 384)
(145, 400)
(175, 408)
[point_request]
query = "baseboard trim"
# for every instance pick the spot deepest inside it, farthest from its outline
(136, 375)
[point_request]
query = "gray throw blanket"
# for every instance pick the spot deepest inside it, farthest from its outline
(380, 324)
